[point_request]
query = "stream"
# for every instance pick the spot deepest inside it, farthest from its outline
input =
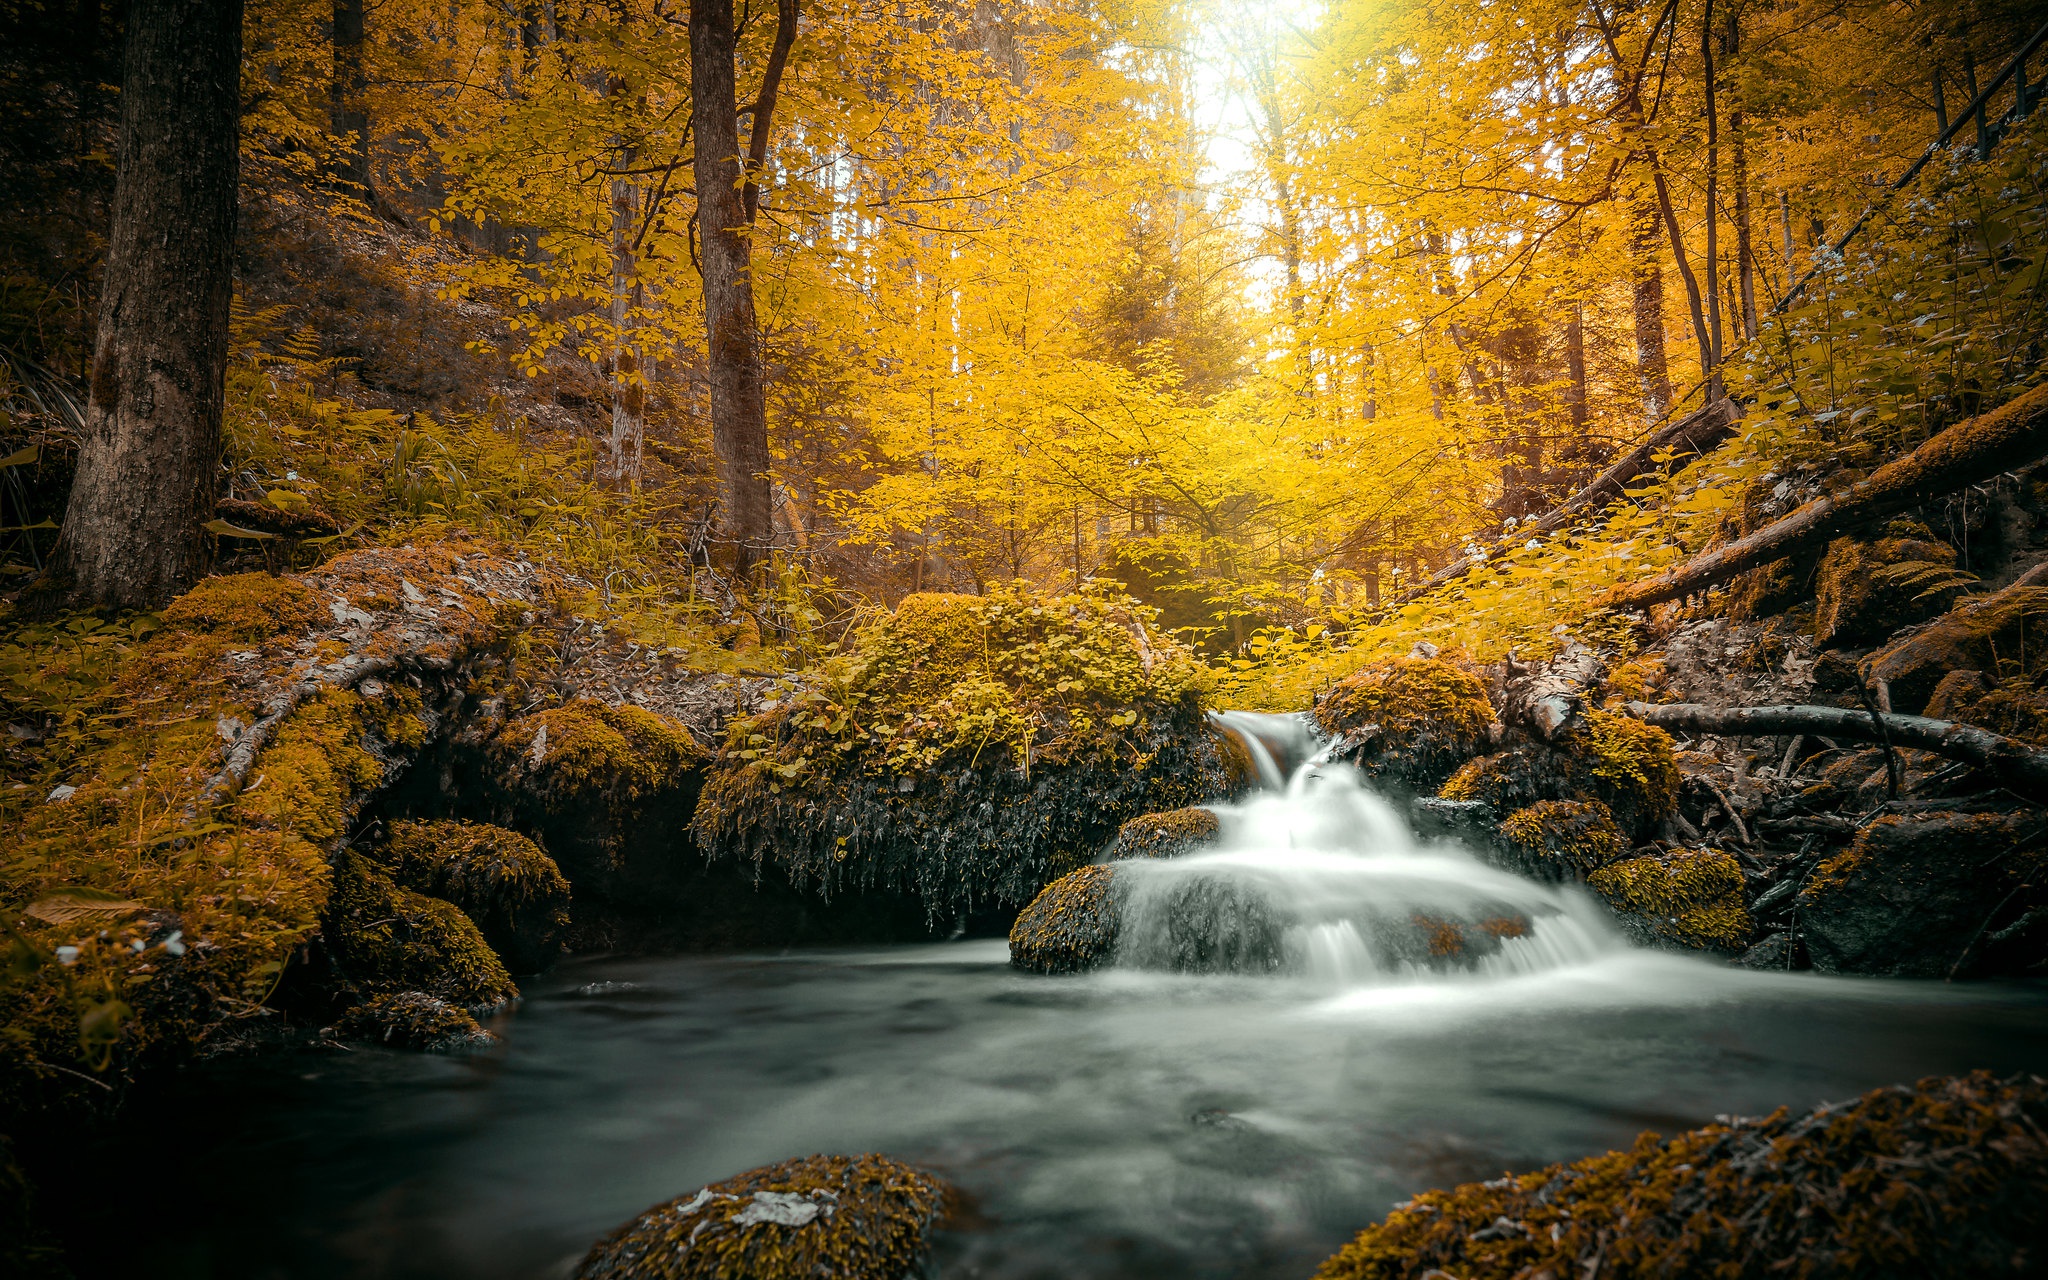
(1137, 1121)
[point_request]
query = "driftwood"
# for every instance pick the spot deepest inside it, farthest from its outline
(2013, 764)
(1547, 698)
(1968, 453)
(1697, 433)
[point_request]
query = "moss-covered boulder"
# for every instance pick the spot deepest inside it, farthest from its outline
(502, 881)
(414, 1020)
(1166, 835)
(1559, 840)
(385, 940)
(1070, 926)
(1946, 1179)
(1687, 899)
(1867, 590)
(847, 1217)
(1937, 895)
(1629, 766)
(1989, 634)
(966, 751)
(1411, 720)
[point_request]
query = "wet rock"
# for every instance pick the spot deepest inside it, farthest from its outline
(503, 882)
(1559, 840)
(848, 1217)
(414, 1020)
(1857, 601)
(1930, 896)
(1780, 951)
(1070, 926)
(1471, 823)
(385, 940)
(1165, 835)
(1436, 941)
(1682, 899)
(1971, 637)
(1625, 764)
(1822, 1194)
(1210, 924)
(1412, 721)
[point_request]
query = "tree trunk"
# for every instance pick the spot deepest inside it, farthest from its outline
(624, 446)
(348, 121)
(1745, 252)
(1651, 364)
(132, 535)
(739, 407)
(1710, 345)
(1968, 453)
(1575, 360)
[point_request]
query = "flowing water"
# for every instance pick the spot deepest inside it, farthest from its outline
(1306, 1024)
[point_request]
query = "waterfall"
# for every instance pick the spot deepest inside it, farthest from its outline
(1316, 876)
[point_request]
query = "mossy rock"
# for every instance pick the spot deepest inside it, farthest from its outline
(847, 1217)
(1946, 1179)
(1629, 766)
(1070, 926)
(2015, 708)
(246, 607)
(1165, 835)
(966, 752)
(569, 754)
(1856, 602)
(502, 881)
(1414, 720)
(414, 1020)
(1560, 840)
(1989, 634)
(1688, 899)
(386, 940)
(1932, 896)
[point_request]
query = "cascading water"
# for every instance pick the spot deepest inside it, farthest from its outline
(1317, 876)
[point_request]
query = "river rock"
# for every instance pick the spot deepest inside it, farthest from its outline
(384, 940)
(1946, 1178)
(1933, 896)
(847, 1217)
(414, 1020)
(502, 881)
(1681, 899)
(1559, 840)
(1165, 835)
(1070, 926)
(1412, 721)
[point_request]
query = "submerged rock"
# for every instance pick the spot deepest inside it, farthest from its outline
(414, 1020)
(1412, 720)
(846, 1217)
(1688, 899)
(1935, 896)
(1947, 1178)
(502, 881)
(1070, 926)
(1165, 835)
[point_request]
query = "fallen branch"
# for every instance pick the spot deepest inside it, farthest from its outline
(1967, 453)
(2014, 764)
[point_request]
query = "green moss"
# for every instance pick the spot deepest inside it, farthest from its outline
(1560, 840)
(1165, 835)
(246, 607)
(2002, 635)
(501, 880)
(1693, 898)
(1070, 926)
(1418, 718)
(586, 748)
(855, 1218)
(1634, 766)
(967, 750)
(1854, 601)
(1947, 1179)
(385, 940)
(413, 1020)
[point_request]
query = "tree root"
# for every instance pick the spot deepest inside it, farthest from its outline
(2014, 765)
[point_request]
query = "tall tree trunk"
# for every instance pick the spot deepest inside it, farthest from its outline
(1575, 361)
(1710, 348)
(1648, 296)
(1745, 257)
(739, 406)
(627, 441)
(132, 535)
(348, 120)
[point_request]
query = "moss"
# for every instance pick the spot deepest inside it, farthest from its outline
(385, 940)
(1165, 835)
(1639, 680)
(413, 1020)
(2014, 707)
(2001, 635)
(1561, 840)
(1634, 767)
(502, 881)
(245, 607)
(1854, 602)
(1417, 719)
(1956, 693)
(966, 751)
(1691, 898)
(1948, 1178)
(586, 748)
(849, 1217)
(1070, 926)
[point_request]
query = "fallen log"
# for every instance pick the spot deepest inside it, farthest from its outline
(1967, 453)
(2013, 764)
